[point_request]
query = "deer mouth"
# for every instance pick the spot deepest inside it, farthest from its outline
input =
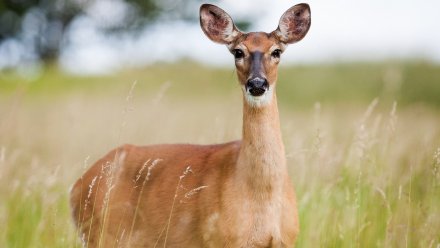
(258, 97)
(257, 91)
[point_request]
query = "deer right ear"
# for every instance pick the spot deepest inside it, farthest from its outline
(294, 24)
(217, 24)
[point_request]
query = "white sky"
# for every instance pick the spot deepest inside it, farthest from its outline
(342, 30)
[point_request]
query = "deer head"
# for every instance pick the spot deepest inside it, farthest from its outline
(256, 54)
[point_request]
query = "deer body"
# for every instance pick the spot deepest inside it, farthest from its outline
(236, 194)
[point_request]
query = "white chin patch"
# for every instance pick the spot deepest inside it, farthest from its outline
(258, 101)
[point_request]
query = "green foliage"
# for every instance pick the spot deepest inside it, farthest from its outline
(363, 178)
(51, 18)
(298, 86)
(406, 83)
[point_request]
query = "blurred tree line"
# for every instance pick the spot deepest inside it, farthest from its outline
(40, 25)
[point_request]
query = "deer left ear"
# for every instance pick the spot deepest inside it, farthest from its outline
(217, 24)
(294, 24)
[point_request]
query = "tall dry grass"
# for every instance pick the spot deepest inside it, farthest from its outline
(365, 176)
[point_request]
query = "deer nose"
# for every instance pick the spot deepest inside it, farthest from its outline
(257, 86)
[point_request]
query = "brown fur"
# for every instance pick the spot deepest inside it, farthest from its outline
(236, 194)
(257, 42)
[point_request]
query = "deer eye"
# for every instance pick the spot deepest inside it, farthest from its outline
(276, 53)
(238, 53)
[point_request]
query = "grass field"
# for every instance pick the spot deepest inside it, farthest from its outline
(362, 143)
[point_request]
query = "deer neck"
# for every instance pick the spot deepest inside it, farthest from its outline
(261, 161)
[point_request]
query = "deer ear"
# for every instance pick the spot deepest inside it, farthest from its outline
(217, 24)
(294, 24)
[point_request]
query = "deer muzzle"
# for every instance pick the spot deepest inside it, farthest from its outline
(257, 86)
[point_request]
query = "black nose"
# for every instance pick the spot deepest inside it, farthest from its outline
(257, 86)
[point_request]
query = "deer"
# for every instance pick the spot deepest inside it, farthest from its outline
(236, 194)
